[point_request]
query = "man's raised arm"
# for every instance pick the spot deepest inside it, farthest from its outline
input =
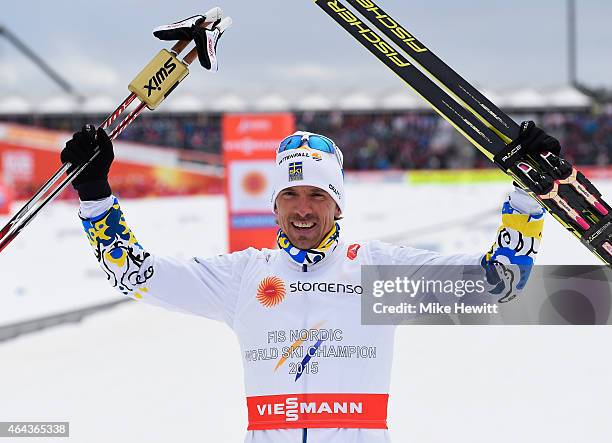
(206, 287)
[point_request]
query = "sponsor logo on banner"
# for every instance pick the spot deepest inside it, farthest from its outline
(249, 221)
(17, 166)
(250, 186)
(254, 125)
(295, 171)
(254, 183)
(271, 291)
(352, 250)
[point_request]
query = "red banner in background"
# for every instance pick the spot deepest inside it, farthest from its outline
(5, 199)
(29, 156)
(249, 146)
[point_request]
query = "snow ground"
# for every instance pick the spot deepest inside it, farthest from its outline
(138, 373)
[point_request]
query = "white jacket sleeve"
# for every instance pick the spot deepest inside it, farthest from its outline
(206, 287)
(388, 254)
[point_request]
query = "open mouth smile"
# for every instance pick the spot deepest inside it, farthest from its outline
(303, 225)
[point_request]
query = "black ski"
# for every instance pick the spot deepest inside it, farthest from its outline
(564, 191)
(448, 78)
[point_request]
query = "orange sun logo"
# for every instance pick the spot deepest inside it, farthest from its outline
(271, 291)
(254, 183)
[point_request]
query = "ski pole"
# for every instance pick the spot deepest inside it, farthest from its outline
(30, 209)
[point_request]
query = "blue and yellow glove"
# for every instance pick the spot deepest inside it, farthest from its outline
(511, 257)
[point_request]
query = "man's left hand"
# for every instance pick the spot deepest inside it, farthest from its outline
(534, 140)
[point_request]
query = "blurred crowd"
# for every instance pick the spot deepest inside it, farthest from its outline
(586, 139)
(382, 140)
(201, 132)
(393, 140)
(426, 141)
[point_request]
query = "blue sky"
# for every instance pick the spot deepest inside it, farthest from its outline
(292, 47)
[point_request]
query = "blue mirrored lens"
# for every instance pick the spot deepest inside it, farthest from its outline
(317, 142)
(291, 142)
(321, 144)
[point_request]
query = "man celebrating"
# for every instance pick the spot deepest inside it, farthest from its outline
(313, 373)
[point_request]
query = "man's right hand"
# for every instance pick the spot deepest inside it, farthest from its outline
(92, 182)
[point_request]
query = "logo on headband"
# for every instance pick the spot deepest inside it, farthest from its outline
(335, 191)
(295, 172)
(316, 156)
(299, 153)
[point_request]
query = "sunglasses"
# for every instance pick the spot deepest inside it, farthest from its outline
(313, 141)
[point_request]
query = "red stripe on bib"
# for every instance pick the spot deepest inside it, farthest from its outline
(318, 411)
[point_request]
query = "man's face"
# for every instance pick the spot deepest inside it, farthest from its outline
(306, 214)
